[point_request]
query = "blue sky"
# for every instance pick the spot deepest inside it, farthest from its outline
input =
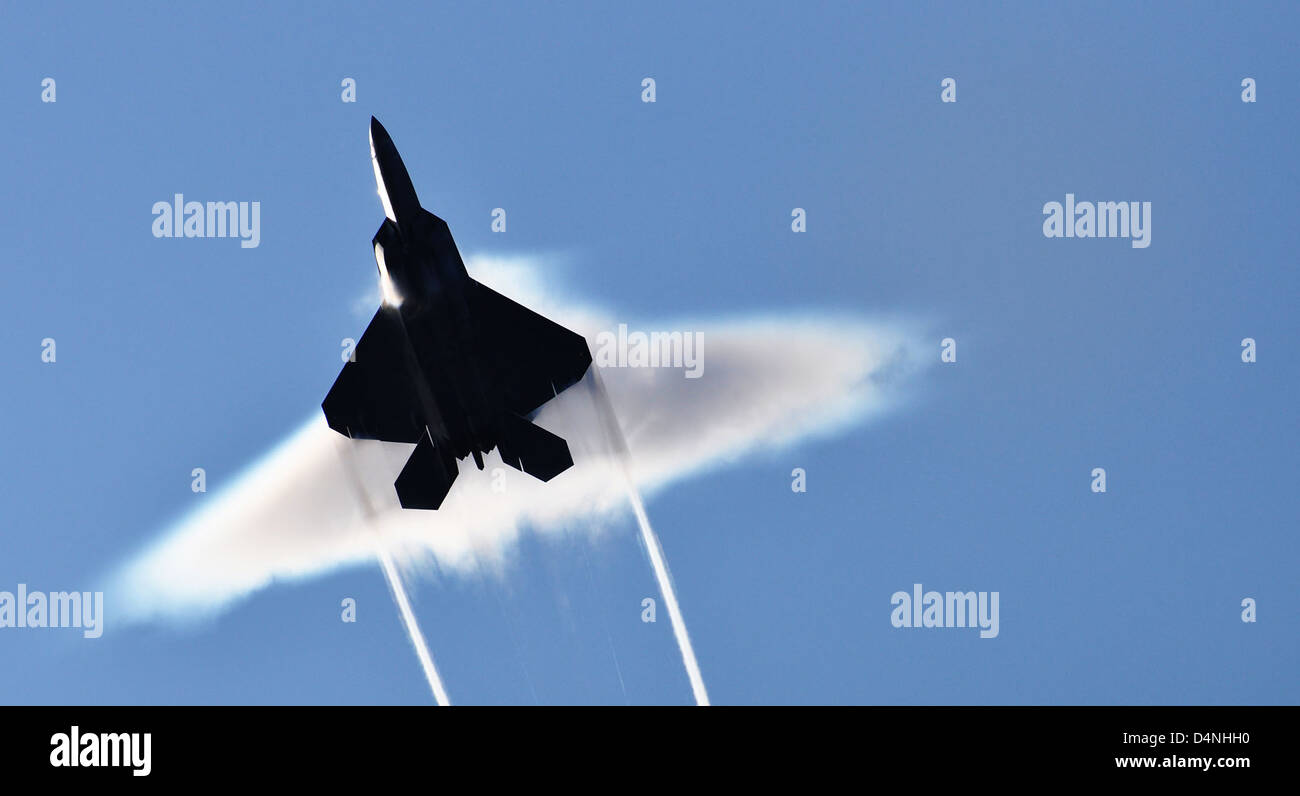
(1073, 354)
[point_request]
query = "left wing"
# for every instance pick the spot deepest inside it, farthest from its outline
(376, 396)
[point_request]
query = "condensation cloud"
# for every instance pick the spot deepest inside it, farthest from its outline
(318, 501)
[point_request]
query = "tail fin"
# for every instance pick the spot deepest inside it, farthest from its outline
(532, 449)
(427, 476)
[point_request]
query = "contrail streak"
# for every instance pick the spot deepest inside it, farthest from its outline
(665, 579)
(614, 434)
(412, 628)
(347, 455)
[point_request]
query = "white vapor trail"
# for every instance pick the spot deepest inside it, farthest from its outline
(765, 383)
(347, 455)
(413, 628)
(614, 433)
(669, 592)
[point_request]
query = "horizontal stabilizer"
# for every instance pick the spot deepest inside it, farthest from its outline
(427, 476)
(533, 450)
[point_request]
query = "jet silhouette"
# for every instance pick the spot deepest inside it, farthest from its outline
(448, 363)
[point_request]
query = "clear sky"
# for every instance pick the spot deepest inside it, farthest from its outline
(1072, 354)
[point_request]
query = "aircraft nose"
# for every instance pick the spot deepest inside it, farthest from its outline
(377, 133)
(395, 190)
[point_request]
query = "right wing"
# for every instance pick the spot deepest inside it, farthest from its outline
(530, 357)
(377, 396)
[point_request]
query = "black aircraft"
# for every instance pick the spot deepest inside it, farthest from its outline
(446, 362)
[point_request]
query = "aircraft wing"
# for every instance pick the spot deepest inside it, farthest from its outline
(532, 358)
(376, 396)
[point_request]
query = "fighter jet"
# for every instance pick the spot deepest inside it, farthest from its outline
(448, 363)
